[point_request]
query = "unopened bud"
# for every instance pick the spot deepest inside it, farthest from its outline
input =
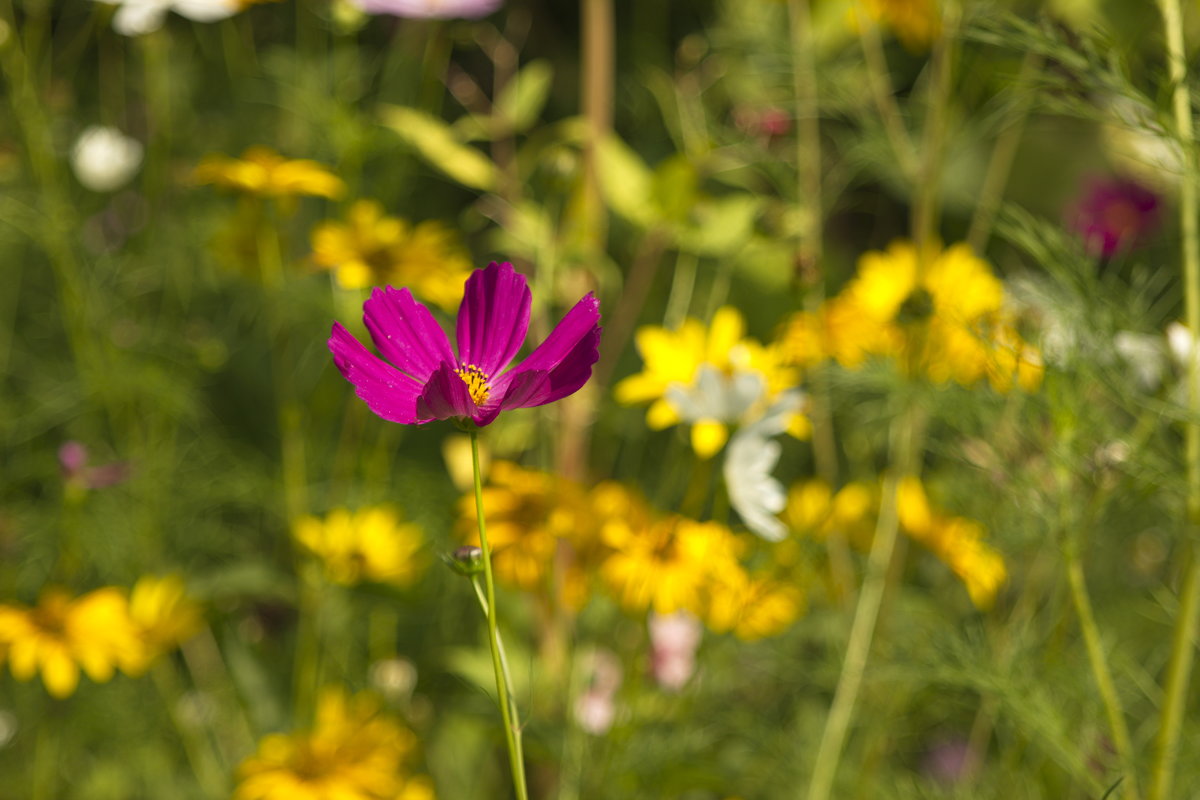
(466, 560)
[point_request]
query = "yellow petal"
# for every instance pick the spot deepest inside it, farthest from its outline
(661, 414)
(708, 436)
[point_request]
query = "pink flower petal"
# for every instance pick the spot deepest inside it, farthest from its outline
(560, 365)
(445, 396)
(386, 390)
(405, 332)
(493, 318)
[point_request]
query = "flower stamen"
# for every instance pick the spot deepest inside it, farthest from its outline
(476, 381)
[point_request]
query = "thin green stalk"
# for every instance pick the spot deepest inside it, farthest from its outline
(198, 748)
(512, 730)
(1183, 649)
(907, 436)
(306, 675)
(927, 200)
(47, 753)
(1003, 155)
(811, 250)
(882, 94)
(1101, 673)
(480, 595)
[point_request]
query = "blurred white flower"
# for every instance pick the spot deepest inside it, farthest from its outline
(752, 455)
(430, 9)
(673, 642)
(1145, 355)
(138, 17)
(105, 159)
(712, 402)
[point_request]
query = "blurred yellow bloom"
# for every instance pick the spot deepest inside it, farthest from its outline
(353, 752)
(944, 318)
(815, 510)
(262, 171)
(916, 23)
(708, 377)
(163, 615)
(670, 565)
(527, 513)
(371, 544)
(373, 249)
(956, 541)
(62, 634)
(753, 607)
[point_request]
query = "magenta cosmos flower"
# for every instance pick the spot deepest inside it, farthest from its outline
(426, 381)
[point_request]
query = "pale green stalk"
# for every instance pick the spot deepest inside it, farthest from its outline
(512, 730)
(882, 94)
(198, 748)
(811, 249)
(1187, 623)
(907, 437)
(1101, 673)
(1003, 155)
(46, 754)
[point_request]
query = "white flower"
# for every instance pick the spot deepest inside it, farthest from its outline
(137, 17)
(753, 453)
(105, 159)
(1145, 355)
(713, 401)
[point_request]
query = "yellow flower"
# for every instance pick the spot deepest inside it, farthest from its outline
(353, 752)
(753, 608)
(916, 23)
(62, 634)
(956, 541)
(371, 544)
(527, 512)
(944, 318)
(261, 171)
(373, 249)
(709, 378)
(813, 509)
(163, 615)
(670, 565)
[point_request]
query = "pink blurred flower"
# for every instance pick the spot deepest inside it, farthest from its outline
(73, 460)
(595, 710)
(1114, 215)
(951, 761)
(426, 381)
(673, 642)
(430, 9)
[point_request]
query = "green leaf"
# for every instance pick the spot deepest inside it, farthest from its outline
(525, 96)
(721, 226)
(438, 144)
(627, 183)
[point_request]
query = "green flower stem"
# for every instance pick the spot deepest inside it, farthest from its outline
(198, 748)
(811, 250)
(512, 730)
(1004, 153)
(883, 96)
(908, 431)
(306, 675)
(47, 753)
(1101, 673)
(1183, 649)
(927, 194)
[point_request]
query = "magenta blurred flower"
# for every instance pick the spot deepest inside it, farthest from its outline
(73, 460)
(425, 381)
(1114, 214)
(430, 9)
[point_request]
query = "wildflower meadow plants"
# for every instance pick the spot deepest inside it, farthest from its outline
(878, 475)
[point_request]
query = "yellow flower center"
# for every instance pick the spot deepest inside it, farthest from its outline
(476, 381)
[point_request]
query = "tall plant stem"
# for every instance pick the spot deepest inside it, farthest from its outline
(1183, 648)
(908, 432)
(810, 251)
(512, 730)
(882, 94)
(1101, 673)
(927, 199)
